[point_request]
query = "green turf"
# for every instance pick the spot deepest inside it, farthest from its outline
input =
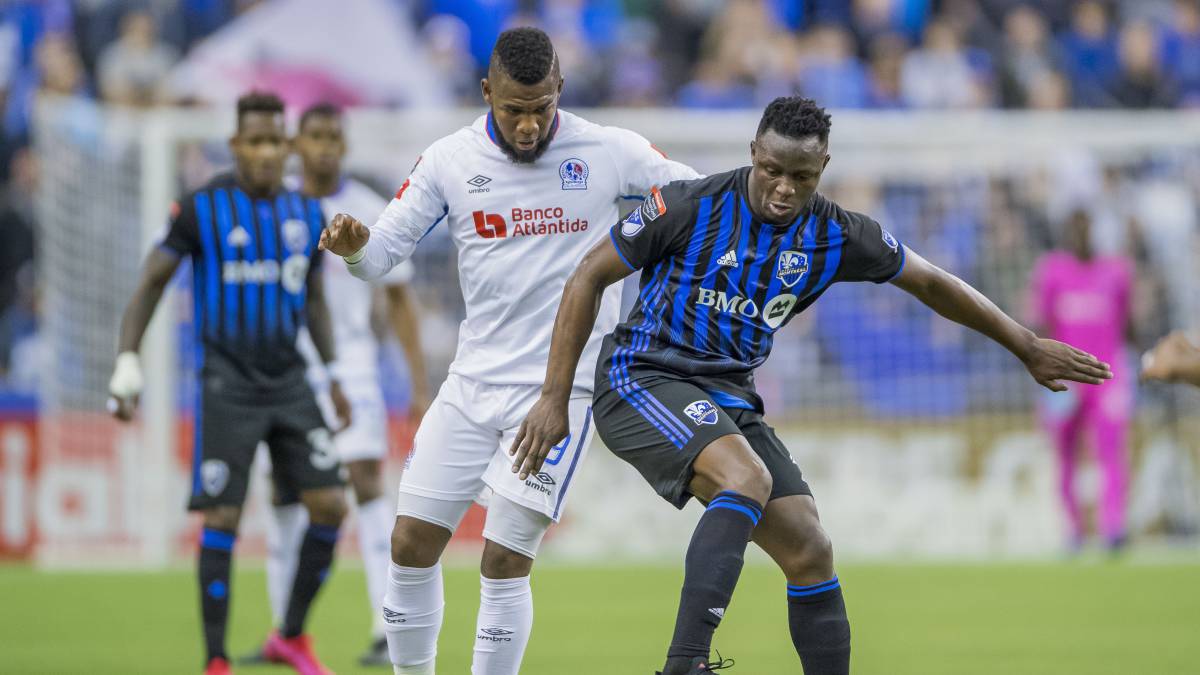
(1038, 618)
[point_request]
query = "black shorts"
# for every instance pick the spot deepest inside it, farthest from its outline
(660, 424)
(229, 429)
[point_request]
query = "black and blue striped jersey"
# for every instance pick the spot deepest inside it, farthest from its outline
(252, 259)
(717, 283)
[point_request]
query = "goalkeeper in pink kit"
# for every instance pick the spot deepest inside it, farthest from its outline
(1083, 299)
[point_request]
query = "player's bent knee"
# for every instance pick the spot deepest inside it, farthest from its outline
(417, 543)
(222, 518)
(326, 506)
(811, 557)
(513, 533)
(730, 465)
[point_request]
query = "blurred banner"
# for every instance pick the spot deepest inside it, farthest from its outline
(918, 437)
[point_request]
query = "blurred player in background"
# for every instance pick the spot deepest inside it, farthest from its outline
(257, 282)
(726, 261)
(1174, 359)
(321, 145)
(527, 190)
(1084, 299)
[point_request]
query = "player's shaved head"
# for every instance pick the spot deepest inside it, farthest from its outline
(795, 117)
(524, 54)
(522, 88)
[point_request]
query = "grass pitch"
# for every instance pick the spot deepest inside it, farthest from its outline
(1061, 618)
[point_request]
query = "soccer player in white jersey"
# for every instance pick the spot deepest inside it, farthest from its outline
(525, 190)
(362, 446)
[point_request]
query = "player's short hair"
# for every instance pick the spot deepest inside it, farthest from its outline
(258, 102)
(525, 54)
(795, 117)
(322, 109)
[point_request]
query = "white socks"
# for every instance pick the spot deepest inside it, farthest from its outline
(502, 630)
(285, 531)
(375, 520)
(412, 617)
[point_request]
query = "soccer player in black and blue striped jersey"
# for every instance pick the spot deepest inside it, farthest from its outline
(256, 282)
(727, 261)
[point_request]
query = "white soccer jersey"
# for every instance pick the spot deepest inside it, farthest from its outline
(520, 230)
(349, 299)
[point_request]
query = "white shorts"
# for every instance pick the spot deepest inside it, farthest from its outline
(462, 446)
(367, 435)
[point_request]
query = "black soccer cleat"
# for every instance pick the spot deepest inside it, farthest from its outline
(698, 666)
(376, 655)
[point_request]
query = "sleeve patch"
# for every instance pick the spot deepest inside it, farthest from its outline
(632, 224)
(654, 206)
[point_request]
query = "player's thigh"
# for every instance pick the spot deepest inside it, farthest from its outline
(227, 433)
(301, 447)
(545, 491)
(790, 532)
(660, 426)
(786, 477)
(451, 449)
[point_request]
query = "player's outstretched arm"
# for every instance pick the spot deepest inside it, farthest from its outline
(1173, 359)
(1048, 361)
(126, 383)
(547, 421)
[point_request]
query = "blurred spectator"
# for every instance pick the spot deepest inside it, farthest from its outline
(636, 76)
(1048, 90)
(716, 86)
(448, 41)
(830, 72)
(1181, 50)
(1089, 54)
(937, 75)
(1140, 82)
(133, 70)
(58, 72)
(887, 62)
(680, 25)
(1027, 56)
(742, 38)
(16, 245)
(872, 18)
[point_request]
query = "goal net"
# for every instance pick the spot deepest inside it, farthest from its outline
(918, 436)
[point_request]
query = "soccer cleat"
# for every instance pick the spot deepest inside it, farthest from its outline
(296, 652)
(698, 666)
(376, 655)
(217, 666)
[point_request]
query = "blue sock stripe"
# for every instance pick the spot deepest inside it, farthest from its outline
(217, 539)
(326, 533)
(733, 506)
(734, 497)
(801, 591)
(719, 501)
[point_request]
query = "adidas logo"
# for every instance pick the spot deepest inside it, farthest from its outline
(729, 259)
(238, 237)
(718, 612)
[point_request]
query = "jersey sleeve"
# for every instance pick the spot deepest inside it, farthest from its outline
(870, 253)
(655, 230)
(641, 166)
(418, 206)
(183, 233)
(400, 274)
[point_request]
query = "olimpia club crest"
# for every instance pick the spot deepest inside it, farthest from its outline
(792, 267)
(574, 174)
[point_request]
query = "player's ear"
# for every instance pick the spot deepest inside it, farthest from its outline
(753, 150)
(486, 88)
(825, 163)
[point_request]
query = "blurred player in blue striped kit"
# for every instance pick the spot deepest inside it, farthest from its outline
(256, 283)
(321, 145)
(727, 261)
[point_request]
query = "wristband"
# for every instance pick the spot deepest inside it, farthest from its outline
(358, 255)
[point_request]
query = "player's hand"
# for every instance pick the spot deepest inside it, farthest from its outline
(1050, 362)
(1164, 362)
(341, 405)
(546, 424)
(125, 386)
(344, 235)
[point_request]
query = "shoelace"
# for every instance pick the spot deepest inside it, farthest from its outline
(720, 664)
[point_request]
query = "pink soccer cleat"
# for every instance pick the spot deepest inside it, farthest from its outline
(217, 666)
(297, 652)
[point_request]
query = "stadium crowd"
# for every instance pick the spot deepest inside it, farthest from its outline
(871, 54)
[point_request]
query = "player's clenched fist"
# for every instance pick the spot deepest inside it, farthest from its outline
(344, 235)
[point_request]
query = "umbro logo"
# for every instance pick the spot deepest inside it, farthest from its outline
(492, 634)
(238, 237)
(495, 631)
(393, 616)
(729, 259)
(478, 183)
(718, 612)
